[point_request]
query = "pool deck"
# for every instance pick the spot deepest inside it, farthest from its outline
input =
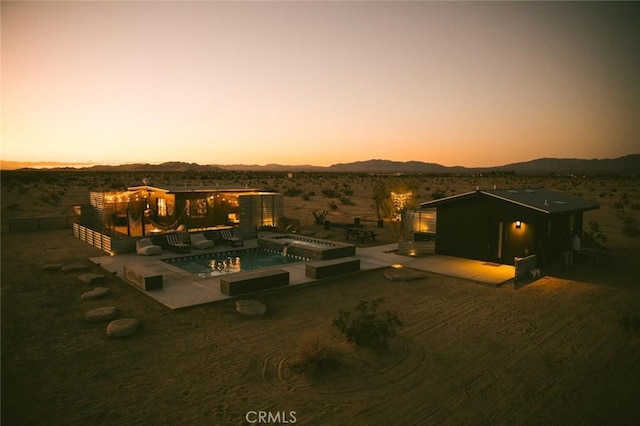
(182, 289)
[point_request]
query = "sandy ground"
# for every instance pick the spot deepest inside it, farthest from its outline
(549, 352)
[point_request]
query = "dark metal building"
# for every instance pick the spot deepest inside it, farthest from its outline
(497, 225)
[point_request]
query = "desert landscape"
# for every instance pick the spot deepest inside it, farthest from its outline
(552, 351)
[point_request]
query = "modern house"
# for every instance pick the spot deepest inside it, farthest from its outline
(497, 225)
(144, 210)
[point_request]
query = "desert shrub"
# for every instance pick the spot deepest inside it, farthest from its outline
(315, 354)
(594, 236)
(13, 206)
(629, 323)
(366, 326)
(292, 192)
(437, 194)
(346, 201)
(630, 228)
(330, 193)
(333, 206)
(53, 198)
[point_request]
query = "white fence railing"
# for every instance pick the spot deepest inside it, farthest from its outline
(104, 242)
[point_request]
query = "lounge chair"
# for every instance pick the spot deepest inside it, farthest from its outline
(176, 244)
(229, 238)
(145, 247)
(199, 241)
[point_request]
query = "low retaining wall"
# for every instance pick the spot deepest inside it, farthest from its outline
(38, 224)
(249, 282)
(330, 268)
(416, 248)
(142, 277)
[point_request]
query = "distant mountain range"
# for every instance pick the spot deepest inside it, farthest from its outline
(627, 165)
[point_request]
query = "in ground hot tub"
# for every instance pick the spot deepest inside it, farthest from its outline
(307, 247)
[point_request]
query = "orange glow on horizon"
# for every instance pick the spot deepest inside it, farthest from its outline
(316, 83)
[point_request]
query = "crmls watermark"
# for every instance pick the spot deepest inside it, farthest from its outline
(265, 417)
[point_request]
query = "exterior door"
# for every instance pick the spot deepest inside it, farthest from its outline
(495, 245)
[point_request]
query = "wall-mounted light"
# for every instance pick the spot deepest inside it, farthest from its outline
(518, 224)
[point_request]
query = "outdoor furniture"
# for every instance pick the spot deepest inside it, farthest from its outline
(174, 242)
(361, 234)
(199, 241)
(145, 247)
(227, 237)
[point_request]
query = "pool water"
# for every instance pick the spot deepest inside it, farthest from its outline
(305, 242)
(215, 264)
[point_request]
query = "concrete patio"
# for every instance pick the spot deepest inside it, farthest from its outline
(182, 289)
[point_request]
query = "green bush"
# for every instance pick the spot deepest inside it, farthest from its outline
(366, 326)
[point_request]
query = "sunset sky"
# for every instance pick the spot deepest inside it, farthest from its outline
(471, 84)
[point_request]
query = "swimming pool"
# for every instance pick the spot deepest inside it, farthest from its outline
(215, 264)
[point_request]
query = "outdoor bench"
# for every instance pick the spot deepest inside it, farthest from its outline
(248, 282)
(329, 268)
(142, 276)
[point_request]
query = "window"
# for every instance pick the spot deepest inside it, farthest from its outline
(162, 207)
(196, 208)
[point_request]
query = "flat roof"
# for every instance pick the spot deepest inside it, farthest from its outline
(539, 199)
(174, 189)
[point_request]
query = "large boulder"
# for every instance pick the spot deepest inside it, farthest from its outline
(96, 293)
(104, 314)
(73, 267)
(250, 307)
(92, 279)
(405, 274)
(124, 327)
(53, 266)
